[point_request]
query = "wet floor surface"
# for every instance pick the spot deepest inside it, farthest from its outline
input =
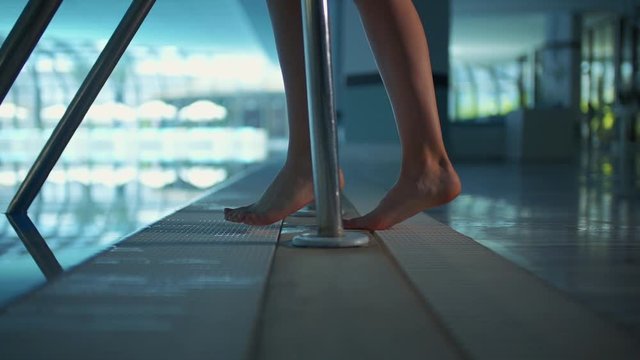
(575, 225)
(70, 222)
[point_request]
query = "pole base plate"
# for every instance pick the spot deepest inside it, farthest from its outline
(307, 213)
(348, 239)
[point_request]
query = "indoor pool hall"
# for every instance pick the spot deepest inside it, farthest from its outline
(319, 179)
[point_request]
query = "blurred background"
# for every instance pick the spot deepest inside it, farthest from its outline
(198, 98)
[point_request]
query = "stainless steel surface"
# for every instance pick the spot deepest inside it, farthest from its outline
(22, 39)
(79, 106)
(347, 239)
(322, 118)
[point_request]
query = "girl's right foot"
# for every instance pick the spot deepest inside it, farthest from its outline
(291, 190)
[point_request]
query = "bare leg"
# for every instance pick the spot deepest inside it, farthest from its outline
(427, 178)
(293, 186)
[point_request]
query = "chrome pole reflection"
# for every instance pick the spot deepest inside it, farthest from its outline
(322, 120)
(323, 132)
(36, 245)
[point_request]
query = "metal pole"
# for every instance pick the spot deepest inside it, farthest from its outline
(36, 245)
(322, 121)
(323, 132)
(591, 87)
(22, 39)
(79, 106)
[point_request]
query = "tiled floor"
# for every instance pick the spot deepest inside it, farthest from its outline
(192, 285)
(574, 225)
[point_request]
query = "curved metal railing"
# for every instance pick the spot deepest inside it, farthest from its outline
(84, 97)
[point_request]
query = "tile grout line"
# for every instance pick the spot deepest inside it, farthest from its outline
(444, 329)
(258, 324)
(398, 251)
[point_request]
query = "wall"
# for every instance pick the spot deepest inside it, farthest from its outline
(362, 101)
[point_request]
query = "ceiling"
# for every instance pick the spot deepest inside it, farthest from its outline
(509, 26)
(509, 7)
(497, 30)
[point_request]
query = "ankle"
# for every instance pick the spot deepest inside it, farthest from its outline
(435, 177)
(419, 163)
(299, 164)
(298, 155)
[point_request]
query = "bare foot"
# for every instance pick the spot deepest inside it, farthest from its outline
(412, 193)
(291, 190)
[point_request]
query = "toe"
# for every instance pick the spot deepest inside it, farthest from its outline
(249, 219)
(235, 215)
(355, 223)
(364, 223)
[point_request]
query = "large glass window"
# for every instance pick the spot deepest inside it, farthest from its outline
(482, 91)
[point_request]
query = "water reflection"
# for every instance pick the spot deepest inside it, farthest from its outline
(35, 245)
(84, 209)
(575, 225)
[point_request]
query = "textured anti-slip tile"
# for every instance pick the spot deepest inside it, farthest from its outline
(149, 302)
(189, 286)
(349, 303)
(185, 228)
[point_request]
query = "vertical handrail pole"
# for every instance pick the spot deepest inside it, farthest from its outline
(322, 116)
(80, 104)
(22, 39)
(323, 133)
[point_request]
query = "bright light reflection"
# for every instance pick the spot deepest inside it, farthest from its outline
(53, 112)
(203, 177)
(10, 110)
(224, 71)
(44, 65)
(110, 111)
(57, 177)
(156, 110)
(59, 64)
(202, 110)
(105, 145)
(157, 178)
(108, 176)
(80, 174)
(608, 119)
(124, 175)
(8, 178)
